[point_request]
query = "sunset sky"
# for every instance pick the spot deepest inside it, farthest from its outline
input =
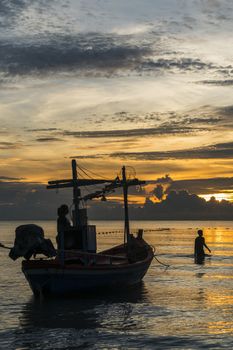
(142, 83)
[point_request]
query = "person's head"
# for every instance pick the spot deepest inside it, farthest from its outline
(63, 210)
(200, 233)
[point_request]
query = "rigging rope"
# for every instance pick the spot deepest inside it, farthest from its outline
(84, 170)
(155, 257)
(98, 187)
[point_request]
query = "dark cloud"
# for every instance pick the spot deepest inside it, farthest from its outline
(182, 63)
(26, 201)
(227, 145)
(164, 180)
(226, 110)
(49, 139)
(204, 186)
(201, 120)
(97, 156)
(165, 129)
(10, 10)
(221, 150)
(225, 115)
(221, 117)
(183, 205)
(207, 116)
(8, 145)
(6, 178)
(158, 192)
(67, 53)
(226, 82)
(38, 130)
(91, 54)
(142, 118)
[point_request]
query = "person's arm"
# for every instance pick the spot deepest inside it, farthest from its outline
(206, 246)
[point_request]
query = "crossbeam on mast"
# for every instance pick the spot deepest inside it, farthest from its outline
(72, 183)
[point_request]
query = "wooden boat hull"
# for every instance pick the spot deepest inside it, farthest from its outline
(52, 279)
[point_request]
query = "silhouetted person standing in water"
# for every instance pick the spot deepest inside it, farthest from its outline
(199, 246)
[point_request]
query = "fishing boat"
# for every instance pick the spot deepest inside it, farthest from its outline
(77, 266)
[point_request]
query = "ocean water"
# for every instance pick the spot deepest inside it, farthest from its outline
(185, 306)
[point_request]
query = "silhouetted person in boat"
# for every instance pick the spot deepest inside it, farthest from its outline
(199, 253)
(63, 224)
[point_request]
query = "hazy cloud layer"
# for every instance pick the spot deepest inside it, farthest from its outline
(202, 119)
(204, 186)
(221, 150)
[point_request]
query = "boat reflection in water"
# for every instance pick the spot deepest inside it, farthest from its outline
(86, 312)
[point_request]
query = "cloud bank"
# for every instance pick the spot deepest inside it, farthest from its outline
(221, 150)
(32, 201)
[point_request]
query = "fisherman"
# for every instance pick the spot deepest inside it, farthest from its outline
(63, 224)
(199, 246)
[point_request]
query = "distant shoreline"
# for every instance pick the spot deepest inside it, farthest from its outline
(175, 220)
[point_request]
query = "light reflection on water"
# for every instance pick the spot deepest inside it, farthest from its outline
(186, 306)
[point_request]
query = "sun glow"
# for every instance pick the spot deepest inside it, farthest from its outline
(218, 196)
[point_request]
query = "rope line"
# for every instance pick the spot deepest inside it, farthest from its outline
(85, 170)
(160, 262)
(3, 246)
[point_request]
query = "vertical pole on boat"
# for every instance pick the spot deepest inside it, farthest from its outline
(76, 193)
(125, 192)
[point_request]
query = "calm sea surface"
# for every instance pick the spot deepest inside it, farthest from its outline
(186, 306)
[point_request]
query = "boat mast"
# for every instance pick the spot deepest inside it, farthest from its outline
(76, 194)
(125, 192)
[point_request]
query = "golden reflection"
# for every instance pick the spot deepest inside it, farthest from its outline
(218, 235)
(220, 327)
(223, 276)
(214, 298)
(133, 199)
